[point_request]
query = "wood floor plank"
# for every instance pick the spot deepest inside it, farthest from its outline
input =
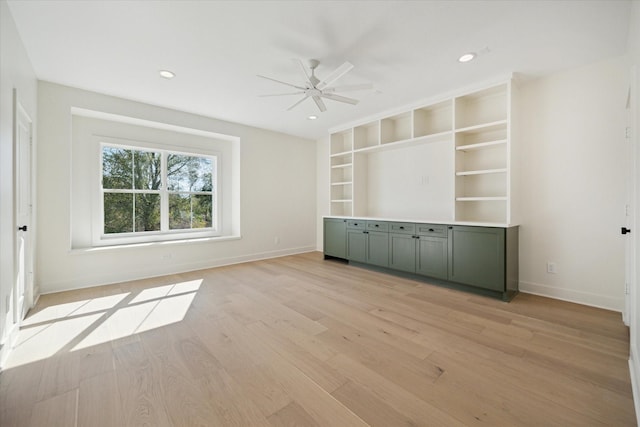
(393, 334)
(292, 415)
(140, 397)
(303, 341)
(379, 356)
(372, 409)
(317, 370)
(234, 407)
(229, 342)
(490, 390)
(517, 375)
(396, 396)
(57, 411)
(98, 401)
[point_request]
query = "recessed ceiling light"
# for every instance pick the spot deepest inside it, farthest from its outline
(467, 57)
(166, 74)
(312, 117)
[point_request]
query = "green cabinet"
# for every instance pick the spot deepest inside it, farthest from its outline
(402, 252)
(365, 246)
(335, 237)
(432, 256)
(415, 249)
(485, 258)
(378, 248)
(356, 245)
(477, 256)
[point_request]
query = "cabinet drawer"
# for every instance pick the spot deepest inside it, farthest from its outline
(357, 224)
(432, 230)
(402, 227)
(377, 226)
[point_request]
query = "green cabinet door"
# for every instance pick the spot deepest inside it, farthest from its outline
(378, 248)
(335, 237)
(402, 252)
(477, 256)
(431, 257)
(356, 245)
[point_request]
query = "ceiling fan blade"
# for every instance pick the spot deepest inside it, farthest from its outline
(349, 88)
(281, 82)
(282, 94)
(297, 102)
(337, 73)
(303, 68)
(339, 98)
(319, 103)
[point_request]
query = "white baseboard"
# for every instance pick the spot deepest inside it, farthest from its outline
(572, 295)
(163, 270)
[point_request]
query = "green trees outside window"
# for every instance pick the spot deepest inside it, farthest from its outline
(141, 186)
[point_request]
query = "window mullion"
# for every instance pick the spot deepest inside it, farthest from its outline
(133, 188)
(164, 197)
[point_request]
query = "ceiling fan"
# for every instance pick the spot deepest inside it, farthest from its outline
(317, 89)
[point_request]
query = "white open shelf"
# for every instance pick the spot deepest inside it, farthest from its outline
(481, 145)
(481, 199)
(481, 172)
(342, 142)
(395, 165)
(396, 128)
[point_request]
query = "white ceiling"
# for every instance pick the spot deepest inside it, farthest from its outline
(408, 49)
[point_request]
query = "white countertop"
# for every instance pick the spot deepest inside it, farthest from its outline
(424, 221)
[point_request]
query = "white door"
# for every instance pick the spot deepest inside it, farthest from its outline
(23, 291)
(630, 225)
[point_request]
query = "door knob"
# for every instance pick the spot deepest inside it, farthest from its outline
(625, 230)
(23, 228)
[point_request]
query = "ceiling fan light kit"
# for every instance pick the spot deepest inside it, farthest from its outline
(317, 89)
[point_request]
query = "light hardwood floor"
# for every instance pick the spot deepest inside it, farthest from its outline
(299, 341)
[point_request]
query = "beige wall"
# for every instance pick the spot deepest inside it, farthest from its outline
(277, 198)
(17, 73)
(573, 188)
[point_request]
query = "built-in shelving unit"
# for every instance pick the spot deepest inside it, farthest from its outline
(482, 161)
(433, 119)
(476, 125)
(342, 173)
(396, 128)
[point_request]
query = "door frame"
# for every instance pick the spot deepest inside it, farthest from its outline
(20, 116)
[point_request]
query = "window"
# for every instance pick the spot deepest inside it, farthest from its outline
(155, 192)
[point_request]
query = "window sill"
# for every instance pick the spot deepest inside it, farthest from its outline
(179, 242)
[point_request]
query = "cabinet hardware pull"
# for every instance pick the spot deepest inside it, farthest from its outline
(377, 225)
(401, 228)
(431, 229)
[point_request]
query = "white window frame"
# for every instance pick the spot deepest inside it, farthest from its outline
(165, 234)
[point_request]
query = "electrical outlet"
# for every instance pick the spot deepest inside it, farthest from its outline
(551, 267)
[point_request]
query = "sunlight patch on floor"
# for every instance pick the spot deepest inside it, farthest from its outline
(46, 339)
(89, 322)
